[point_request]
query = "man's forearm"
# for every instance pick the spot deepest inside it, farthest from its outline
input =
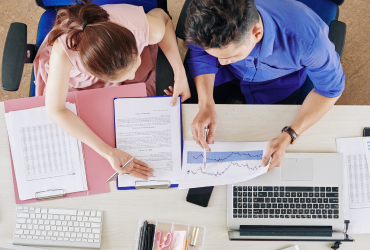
(204, 84)
(313, 109)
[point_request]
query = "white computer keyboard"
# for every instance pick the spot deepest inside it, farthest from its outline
(60, 227)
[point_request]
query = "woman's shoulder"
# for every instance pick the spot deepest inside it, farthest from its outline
(130, 16)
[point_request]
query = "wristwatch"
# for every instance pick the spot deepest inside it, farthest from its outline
(290, 132)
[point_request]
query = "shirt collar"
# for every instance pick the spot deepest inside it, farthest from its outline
(265, 48)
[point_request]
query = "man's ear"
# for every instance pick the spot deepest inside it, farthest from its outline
(257, 32)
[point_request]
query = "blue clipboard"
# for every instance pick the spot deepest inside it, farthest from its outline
(182, 141)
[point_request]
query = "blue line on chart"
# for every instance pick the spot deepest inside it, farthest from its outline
(214, 157)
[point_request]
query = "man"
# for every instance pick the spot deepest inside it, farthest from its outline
(263, 49)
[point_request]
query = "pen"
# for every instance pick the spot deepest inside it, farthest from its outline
(206, 130)
(116, 173)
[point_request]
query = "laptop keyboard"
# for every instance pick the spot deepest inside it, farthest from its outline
(285, 202)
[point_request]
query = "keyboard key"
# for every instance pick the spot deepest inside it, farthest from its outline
(332, 195)
(328, 189)
(257, 211)
(22, 215)
(333, 200)
(267, 189)
(297, 189)
(262, 194)
(334, 206)
(95, 225)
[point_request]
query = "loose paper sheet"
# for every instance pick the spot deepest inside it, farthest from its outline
(150, 130)
(356, 183)
(44, 156)
(228, 163)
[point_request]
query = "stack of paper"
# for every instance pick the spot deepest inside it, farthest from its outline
(44, 156)
(356, 184)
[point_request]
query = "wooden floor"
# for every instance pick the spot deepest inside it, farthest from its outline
(355, 59)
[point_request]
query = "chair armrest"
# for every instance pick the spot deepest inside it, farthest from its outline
(337, 34)
(16, 53)
(180, 27)
(164, 76)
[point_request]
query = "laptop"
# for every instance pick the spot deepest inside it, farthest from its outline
(300, 200)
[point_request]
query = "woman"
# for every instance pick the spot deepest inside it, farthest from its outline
(95, 46)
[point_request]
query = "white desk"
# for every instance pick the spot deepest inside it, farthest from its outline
(123, 209)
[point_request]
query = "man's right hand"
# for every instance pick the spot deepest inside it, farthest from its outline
(206, 118)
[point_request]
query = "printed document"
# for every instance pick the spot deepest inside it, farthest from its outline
(228, 163)
(150, 129)
(44, 156)
(356, 183)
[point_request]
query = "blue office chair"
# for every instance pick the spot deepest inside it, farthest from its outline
(328, 10)
(17, 51)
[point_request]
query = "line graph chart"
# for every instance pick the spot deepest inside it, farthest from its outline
(229, 162)
(215, 157)
(218, 173)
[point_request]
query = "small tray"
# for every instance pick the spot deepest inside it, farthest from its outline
(166, 227)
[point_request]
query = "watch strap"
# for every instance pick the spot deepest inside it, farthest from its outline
(290, 132)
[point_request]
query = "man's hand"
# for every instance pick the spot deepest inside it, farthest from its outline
(276, 150)
(206, 118)
(117, 158)
(181, 87)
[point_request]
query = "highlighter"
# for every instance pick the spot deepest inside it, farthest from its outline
(194, 236)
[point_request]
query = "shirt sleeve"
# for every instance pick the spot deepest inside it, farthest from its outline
(200, 62)
(323, 67)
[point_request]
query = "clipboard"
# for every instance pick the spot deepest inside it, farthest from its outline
(152, 184)
(91, 105)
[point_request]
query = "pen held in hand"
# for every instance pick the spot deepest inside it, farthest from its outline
(206, 130)
(116, 173)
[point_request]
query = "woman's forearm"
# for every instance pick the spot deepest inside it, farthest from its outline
(74, 126)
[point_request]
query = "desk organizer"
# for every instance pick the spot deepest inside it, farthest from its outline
(166, 227)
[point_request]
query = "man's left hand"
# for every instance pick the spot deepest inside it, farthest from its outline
(276, 150)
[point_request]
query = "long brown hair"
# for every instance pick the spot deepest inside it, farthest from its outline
(105, 48)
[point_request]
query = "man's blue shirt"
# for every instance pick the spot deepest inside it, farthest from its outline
(295, 43)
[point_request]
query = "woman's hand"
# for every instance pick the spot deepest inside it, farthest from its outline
(181, 88)
(276, 150)
(117, 158)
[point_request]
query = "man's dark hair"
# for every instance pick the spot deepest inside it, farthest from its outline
(217, 23)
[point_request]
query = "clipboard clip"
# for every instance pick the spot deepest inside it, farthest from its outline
(49, 194)
(152, 184)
